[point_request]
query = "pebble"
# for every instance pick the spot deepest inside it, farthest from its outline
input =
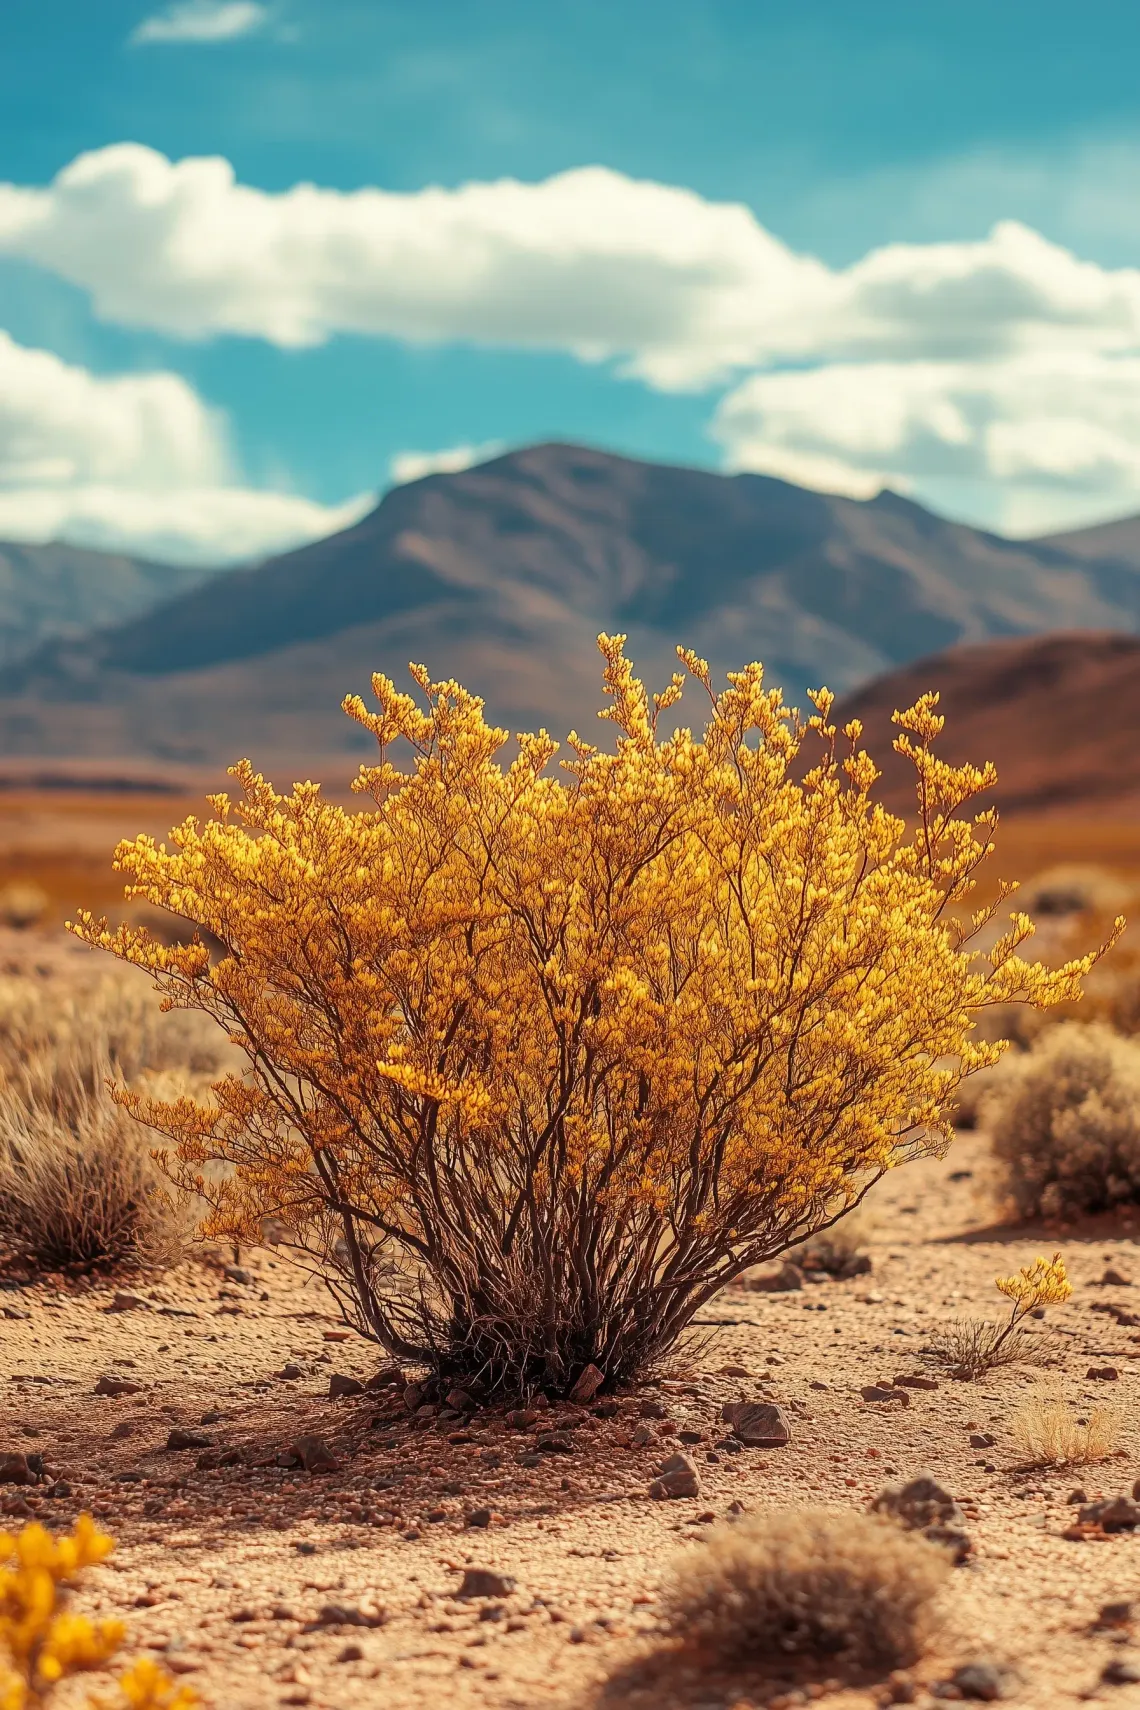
(1113, 1514)
(676, 1477)
(884, 1392)
(1103, 1374)
(340, 1385)
(587, 1384)
(485, 1582)
(1120, 1672)
(478, 1517)
(117, 1386)
(179, 1439)
(314, 1454)
(983, 1440)
(757, 1424)
(985, 1681)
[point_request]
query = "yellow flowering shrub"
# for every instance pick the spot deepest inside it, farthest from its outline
(539, 1059)
(42, 1642)
(972, 1347)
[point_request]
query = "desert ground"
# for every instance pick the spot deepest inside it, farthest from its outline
(264, 1584)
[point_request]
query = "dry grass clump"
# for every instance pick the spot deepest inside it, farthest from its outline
(78, 1186)
(23, 904)
(1076, 888)
(1066, 1124)
(814, 1583)
(1052, 1433)
(838, 1251)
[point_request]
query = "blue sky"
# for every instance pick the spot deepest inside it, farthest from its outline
(845, 244)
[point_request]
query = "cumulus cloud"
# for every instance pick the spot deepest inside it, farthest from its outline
(682, 290)
(1054, 436)
(201, 21)
(136, 462)
(414, 465)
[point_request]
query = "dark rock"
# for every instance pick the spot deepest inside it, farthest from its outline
(587, 1384)
(556, 1443)
(346, 1615)
(1115, 1279)
(340, 1385)
(1118, 1615)
(236, 1273)
(924, 1506)
(606, 1410)
(290, 1371)
(210, 1418)
(884, 1392)
(14, 1469)
(128, 1303)
(678, 1476)
(1076, 1496)
(1120, 1672)
(650, 1409)
(915, 1380)
(984, 1681)
(179, 1439)
(314, 1455)
(118, 1386)
(757, 1424)
(981, 1440)
(485, 1582)
(388, 1377)
(478, 1517)
(1112, 1514)
(462, 1401)
(1103, 1374)
(522, 1418)
(414, 1395)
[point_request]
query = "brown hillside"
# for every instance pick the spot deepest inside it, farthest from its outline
(1058, 714)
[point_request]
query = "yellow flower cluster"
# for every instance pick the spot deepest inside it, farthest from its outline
(561, 1053)
(42, 1643)
(1044, 1283)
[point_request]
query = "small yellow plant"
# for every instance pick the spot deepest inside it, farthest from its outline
(45, 1643)
(972, 1346)
(1052, 1434)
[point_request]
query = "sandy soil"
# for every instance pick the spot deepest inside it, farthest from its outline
(225, 1571)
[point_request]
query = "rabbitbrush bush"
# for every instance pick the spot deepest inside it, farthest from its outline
(1066, 1123)
(538, 1062)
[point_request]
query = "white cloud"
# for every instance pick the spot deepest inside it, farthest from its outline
(682, 290)
(201, 21)
(137, 462)
(414, 465)
(1052, 438)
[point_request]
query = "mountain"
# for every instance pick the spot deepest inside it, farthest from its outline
(59, 590)
(502, 576)
(1058, 714)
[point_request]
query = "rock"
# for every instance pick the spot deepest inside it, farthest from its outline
(211, 1417)
(336, 1335)
(788, 1278)
(290, 1371)
(462, 1401)
(606, 1410)
(388, 1377)
(1076, 1496)
(735, 1371)
(123, 1429)
(981, 1440)
(924, 1506)
(16, 1506)
(642, 1437)
(757, 1424)
(346, 1615)
(556, 1443)
(340, 1385)
(985, 1681)
(16, 1312)
(587, 1384)
(884, 1392)
(118, 1386)
(14, 1469)
(914, 1380)
(678, 1476)
(1120, 1672)
(653, 1410)
(414, 1394)
(314, 1455)
(1115, 1279)
(1104, 1374)
(179, 1439)
(1112, 1514)
(129, 1303)
(236, 1273)
(485, 1582)
(478, 1517)
(1115, 1615)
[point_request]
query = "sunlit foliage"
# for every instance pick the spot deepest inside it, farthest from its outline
(539, 1060)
